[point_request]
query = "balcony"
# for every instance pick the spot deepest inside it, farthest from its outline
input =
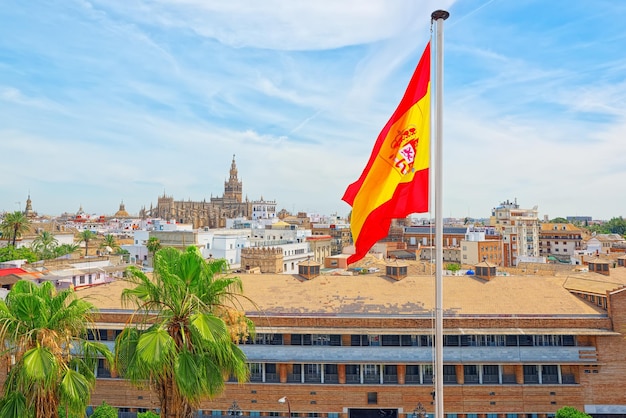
(331, 378)
(471, 379)
(550, 379)
(271, 378)
(353, 379)
(530, 379)
(508, 379)
(390, 378)
(491, 379)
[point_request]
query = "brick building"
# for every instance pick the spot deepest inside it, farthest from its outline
(361, 346)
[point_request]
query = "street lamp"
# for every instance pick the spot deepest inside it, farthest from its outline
(234, 410)
(419, 411)
(285, 400)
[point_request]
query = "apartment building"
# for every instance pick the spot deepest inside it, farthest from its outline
(339, 232)
(520, 232)
(560, 241)
(476, 247)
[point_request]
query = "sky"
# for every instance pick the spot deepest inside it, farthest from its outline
(104, 101)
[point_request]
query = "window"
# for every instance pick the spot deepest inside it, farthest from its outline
(449, 373)
(312, 372)
(511, 340)
(569, 340)
(525, 340)
(390, 370)
(491, 374)
(353, 373)
(468, 341)
(103, 371)
(426, 340)
(320, 339)
(531, 374)
(391, 340)
(370, 369)
(549, 374)
(358, 340)
(470, 372)
(451, 340)
(427, 373)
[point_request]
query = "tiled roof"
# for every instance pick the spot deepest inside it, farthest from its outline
(376, 294)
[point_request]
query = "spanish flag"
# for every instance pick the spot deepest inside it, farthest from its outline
(395, 180)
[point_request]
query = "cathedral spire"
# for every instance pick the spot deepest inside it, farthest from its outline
(233, 170)
(29, 212)
(233, 187)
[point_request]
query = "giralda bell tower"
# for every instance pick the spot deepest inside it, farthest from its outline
(233, 190)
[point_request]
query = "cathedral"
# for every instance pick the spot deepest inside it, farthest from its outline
(213, 214)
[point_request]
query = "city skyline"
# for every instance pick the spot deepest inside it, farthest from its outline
(104, 103)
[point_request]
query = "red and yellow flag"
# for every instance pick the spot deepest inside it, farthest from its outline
(395, 180)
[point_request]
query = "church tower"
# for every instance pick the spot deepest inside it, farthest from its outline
(29, 212)
(233, 189)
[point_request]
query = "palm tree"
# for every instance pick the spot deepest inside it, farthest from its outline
(153, 244)
(64, 249)
(44, 245)
(186, 350)
(109, 241)
(14, 225)
(44, 332)
(86, 236)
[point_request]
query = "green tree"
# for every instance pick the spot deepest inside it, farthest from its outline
(104, 410)
(616, 226)
(109, 241)
(14, 225)
(147, 414)
(65, 249)
(559, 221)
(453, 267)
(86, 236)
(187, 350)
(44, 245)
(153, 244)
(23, 253)
(612, 226)
(571, 412)
(45, 332)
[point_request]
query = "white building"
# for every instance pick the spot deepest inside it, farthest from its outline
(519, 229)
(263, 209)
(224, 243)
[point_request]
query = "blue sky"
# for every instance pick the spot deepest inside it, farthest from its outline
(108, 101)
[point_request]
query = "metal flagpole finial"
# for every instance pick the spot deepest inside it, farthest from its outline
(440, 14)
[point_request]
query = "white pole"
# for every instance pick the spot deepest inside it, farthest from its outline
(438, 17)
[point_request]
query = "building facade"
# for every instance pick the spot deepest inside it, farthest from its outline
(362, 346)
(215, 212)
(560, 241)
(520, 231)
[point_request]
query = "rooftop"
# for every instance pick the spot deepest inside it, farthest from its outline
(376, 294)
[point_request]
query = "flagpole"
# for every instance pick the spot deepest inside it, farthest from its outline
(438, 17)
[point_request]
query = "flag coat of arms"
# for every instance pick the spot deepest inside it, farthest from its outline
(395, 181)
